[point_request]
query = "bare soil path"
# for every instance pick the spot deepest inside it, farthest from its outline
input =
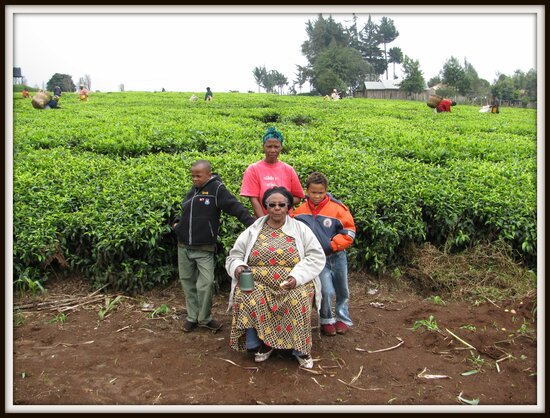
(64, 354)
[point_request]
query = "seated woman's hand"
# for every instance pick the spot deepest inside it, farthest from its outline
(238, 271)
(289, 283)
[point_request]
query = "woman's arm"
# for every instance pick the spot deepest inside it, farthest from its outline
(256, 207)
(237, 255)
(314, 259)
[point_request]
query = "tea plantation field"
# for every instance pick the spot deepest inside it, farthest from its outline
(95, 183)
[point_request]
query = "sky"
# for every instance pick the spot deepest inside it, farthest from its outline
(187, 48)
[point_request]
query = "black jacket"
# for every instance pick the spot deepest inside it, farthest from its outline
(201, 210)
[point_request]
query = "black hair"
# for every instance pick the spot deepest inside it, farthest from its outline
(453, 103)
(317, 178)
(278, 189)
(205, 163)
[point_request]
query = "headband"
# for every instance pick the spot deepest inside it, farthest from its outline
(273, 133)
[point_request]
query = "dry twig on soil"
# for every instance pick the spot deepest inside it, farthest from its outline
(71, 303)
(461, 340)
(310, 370)
(235, 364)
(356, 377)
(401, 342)
(357, 387)
(431, 376)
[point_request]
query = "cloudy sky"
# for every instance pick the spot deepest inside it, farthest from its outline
(187, 48)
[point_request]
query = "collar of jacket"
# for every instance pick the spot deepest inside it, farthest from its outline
(214, 177)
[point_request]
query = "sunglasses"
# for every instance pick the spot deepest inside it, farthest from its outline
(281, 205)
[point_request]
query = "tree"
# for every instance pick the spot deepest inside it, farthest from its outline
(434, 81)
(413, 82)
(301, 76)
(472, 84)
(453, 74)
(279, 80)
(396, 57)
(269, 81)
(370, 50)
(519, 86)
(525, 84)
(531, 84)
(321, 34)
(353, 35)
(260, 74)
(503, 88)
(339, 68)
(64, 81)
(387, 34)
(85, 81)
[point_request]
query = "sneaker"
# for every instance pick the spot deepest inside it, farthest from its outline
(341, 328)
(263, 353)
(328, 329)
(305, 361)
(189, 326)
(212, 325)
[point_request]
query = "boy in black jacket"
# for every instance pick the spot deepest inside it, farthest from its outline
(197, 232)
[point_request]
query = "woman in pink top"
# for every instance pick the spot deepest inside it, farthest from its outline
(270, 172)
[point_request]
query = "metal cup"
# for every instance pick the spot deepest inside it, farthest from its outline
(246, 280)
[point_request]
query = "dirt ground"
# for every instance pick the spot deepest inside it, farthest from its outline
(64, 354)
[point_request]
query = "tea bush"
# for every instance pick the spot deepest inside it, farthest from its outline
(97, 182)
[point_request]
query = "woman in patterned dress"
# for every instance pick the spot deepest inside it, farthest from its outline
(285, 258)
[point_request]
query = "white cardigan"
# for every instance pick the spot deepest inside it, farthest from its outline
(312, 257)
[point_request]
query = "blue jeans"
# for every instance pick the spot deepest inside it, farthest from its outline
(334, 284)
(253, 341)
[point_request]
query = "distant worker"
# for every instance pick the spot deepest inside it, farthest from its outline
(193, 98)
(83, 93)
(57, 91)
(485, 109)
(209, 95)
(495, 104)
(53, 104)
(335, 95)
(445, 105)
(41, 99)
(25, 94)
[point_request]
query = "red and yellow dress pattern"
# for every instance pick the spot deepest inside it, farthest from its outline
(282, 318)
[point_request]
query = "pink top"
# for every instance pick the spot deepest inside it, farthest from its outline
(260, 176)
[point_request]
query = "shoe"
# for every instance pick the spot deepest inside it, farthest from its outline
(328, 329)
(212, 325)
(305, 361)
(263, 353)
(341, 328)
(189, 326)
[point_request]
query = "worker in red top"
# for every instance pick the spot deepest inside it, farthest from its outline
(445, 105)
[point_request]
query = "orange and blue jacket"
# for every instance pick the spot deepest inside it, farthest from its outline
(331, 222)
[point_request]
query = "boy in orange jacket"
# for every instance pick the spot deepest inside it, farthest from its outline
(333, 225)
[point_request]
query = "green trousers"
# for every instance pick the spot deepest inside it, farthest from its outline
(196, 271)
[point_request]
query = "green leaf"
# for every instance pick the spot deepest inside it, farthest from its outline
(469, 373)
(468, 401)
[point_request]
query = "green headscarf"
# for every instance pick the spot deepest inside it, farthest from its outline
(273, 133)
